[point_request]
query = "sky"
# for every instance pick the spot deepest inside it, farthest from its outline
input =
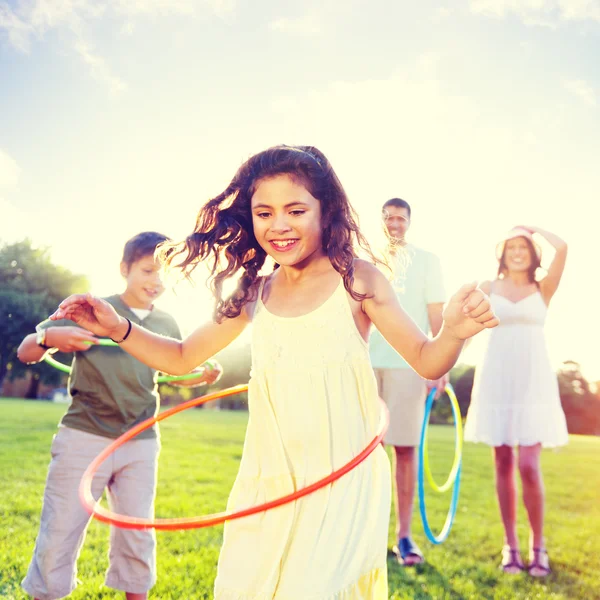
(119, 116)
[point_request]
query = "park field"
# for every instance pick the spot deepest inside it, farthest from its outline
(200, 455)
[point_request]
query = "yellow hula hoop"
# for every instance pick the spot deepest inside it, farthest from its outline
(458, 442)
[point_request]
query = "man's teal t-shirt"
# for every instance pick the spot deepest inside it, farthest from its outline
(418, 282)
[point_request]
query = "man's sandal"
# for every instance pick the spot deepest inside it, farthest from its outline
(511, 561)
(539, 565)
(408, 553)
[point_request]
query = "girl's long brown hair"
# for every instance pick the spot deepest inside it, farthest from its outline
(224, 231)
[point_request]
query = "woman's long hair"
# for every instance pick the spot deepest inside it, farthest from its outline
(224, 230)
(533, 267)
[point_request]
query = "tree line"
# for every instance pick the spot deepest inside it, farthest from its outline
(31, 286)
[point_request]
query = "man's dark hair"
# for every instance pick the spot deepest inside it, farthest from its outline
(142, 244)
(398, 203)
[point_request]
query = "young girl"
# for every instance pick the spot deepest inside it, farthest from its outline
(313, 396)
(515, 398)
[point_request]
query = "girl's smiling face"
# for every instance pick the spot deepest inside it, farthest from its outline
(287, 221)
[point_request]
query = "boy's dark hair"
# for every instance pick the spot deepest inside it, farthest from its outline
(398, 203)
(225, 232)
(141, 245)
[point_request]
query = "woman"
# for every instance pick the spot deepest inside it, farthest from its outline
(515, 400)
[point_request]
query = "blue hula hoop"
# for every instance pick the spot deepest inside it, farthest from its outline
(421, 479)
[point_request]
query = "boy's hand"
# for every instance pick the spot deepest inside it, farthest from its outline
(468, 312)
(70, 339)
(210, 372)
(92, 313)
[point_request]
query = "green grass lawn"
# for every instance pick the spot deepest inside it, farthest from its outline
(200, 455)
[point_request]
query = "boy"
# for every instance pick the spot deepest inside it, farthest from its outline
(110, 393)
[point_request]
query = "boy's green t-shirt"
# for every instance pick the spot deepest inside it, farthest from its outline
(110, 390)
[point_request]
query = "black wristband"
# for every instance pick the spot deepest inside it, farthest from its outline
(126, 335)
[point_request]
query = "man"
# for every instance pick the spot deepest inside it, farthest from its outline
(420, 289)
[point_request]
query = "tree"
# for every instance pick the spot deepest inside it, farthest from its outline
(19, 314)
(580, 405)
(31, 287)
(571, 381)
(461, 378)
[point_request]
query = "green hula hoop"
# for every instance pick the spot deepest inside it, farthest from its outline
(211, 364)
(458, 442)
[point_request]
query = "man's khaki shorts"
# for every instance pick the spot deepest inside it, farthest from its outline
(129, 476)
(404, 392)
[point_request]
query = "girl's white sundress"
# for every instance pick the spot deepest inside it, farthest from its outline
(313, 406)
(515, 399)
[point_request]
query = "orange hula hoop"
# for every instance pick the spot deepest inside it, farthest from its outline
(125, 522)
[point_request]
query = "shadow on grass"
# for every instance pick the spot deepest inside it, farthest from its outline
(567, 578)
(426, 582)
(409, 582)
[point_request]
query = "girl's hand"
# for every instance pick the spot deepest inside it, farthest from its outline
(468, 312)
(439, 385)
(91, 313)
(70, 339)
(527, 228)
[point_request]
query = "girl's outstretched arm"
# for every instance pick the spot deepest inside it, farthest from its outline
(468, 312)
(164, 354)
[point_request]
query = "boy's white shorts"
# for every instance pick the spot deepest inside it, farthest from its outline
(129, 477)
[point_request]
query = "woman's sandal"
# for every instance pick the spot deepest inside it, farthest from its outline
(511, 561)
(539, 563)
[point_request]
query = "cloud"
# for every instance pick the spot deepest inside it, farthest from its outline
(583, 90)
(17, 30)
(545, 13)
(28, 20)
(307, 25)
(578, 10)
(33, 19)
(220, 8)
(442, 13)
(98, 67)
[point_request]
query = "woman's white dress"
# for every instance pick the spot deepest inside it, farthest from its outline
(515, 399)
